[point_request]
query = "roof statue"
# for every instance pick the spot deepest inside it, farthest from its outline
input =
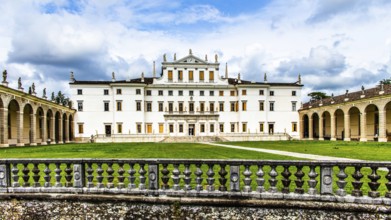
(190, 52)
(30, 91)
(206, 57)
(174, 56)
(154, 70)
(299, 79)
(33, 89)
(164, 58)
(72, 77)
(265, 77)
(226, 70)
(44, 93)
(216, 58)
(113, 76)
(20, 83)
(381, 86)
(362, 89)
(347, 92)
(239, 81)
(5, 76)
(142, 77)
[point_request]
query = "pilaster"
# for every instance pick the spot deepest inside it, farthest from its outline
(52, 130)
(33, 127)
(363, 127)
(332, 135)
(44, 130)
(60, 132)
(321, 138)
(4, 127)
(19, 128)
(382, 126)
(310, 129)
(66, 131)
(347, 127)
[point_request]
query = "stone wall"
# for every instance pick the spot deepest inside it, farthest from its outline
(68, 206)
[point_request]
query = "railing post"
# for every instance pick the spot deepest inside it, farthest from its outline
(326, 180)
(78, 175)
(5, 177)
(235, 178)
(153, 174)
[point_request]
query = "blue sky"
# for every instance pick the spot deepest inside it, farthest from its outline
(335, 45)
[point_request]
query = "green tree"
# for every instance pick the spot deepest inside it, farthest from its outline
(385, 81)
(318, 95)
(61, 99)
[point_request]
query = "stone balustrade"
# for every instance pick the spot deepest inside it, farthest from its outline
(358, 182)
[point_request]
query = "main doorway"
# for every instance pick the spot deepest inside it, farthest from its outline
(108, 130)
(191, 129)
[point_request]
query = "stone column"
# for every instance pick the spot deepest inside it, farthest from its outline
(60, 133)
(66, 131)
(347, 127)
(301, 131)
(44, 130)
(33, 127)
(4, 127)
(52, 130)
(19, 128)
(332, 129)
(363, 127)
(382, 126)
(321, 138)
(310, 128)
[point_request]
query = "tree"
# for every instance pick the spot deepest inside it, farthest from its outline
(60, 98)
(318, 95)
(385, 81)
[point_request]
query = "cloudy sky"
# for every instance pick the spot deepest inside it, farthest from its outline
(335, 44)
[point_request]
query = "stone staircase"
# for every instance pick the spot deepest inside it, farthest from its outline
(193, 139)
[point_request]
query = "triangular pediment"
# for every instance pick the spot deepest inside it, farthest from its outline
(190, 59)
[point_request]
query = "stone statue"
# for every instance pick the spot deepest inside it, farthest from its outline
(33, 88)
(44, 93)
(216, 58)
(5, 76)
(72, 77)
(347, 91)
(265, 77)
(20, 83)
(362, 89)
(30, 90)
(190, 52)
(299, 78)
(206, 57)
(164, 58)
(174, 56)
(113, 76)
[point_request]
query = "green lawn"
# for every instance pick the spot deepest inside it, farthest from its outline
(356, 150)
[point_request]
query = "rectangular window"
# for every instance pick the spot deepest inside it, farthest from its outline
(261, 127)
(106, 106)
(180, 93)
(149, 128)
(244, 105)
(233, 107)
(211, 107)
(149, 93)
(191, 107)
(170, 75)
(221, 126)
(170, 107)
(293, 106)
(161, 128)
(180, 128)
(261, 92)
(201, 75)
(191, 75)
(244, 127)
(232, 127)
(171, 128)
(293, 93)
(221, 106)
(221, 93)
(160, 106)
(294, 126)
(180, 75)
(271, 93)
(119, 128)
(138, 128)
(232, 93)
(138, 91)
(211, 76)
(138, 106)
(119, 91)
(81, 128)
(201, 93)
(261, 106)
(170, 93)
(160, 92)
(80, 106)
(271, 106)
(191, 93)
(202, 128)
(105, 92)
(244, 92)
(80, 92)
(119, 105)
(149, 106)
(180, 107)
(202, 107)
(211, 93)
(212, 128)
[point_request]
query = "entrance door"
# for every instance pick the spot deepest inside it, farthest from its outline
(191, 130)
(108, 130)
(271, 128)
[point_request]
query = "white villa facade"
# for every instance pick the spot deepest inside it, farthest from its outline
(188, 99)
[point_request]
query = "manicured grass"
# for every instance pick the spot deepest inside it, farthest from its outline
(356, 150)
(135, 150)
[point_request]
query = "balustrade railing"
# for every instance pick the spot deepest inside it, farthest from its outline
(363, 182)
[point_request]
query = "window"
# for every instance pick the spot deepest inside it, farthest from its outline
(161, 128)
(294, 126)
(232, 93)
(211, 128)
(271, 106)
(201, 93)
(170, 107)
(149, 128)
(202, 128)
(261, 106)
(221, 93)
(211, 76)
(261, 92)
(221, 106)
(180, 93)
(232, 127)
(80, 106)
(138, 128)
(202, 107)
(138, 105)
(106, 106)
(244, 92)
(191, 93)
(191, 75)
(180, 75)
(160, 92)
(119, 105)
(138, 91)
(160, 106)
(233, 107)
(149, 92)
(105, 92)
(170, 75)
(244, 127)
(201, 75)
(191, 107)
(261, 127)
(180, 106)
(80, 92)
(221, 126)
(119, 128)
(171, 128)
(81, 128)
(271, 93)
(244, 105)
(293, 93)
(211, 107)
(180, 128)
(149, 106)
(170, 92)
(119, 91)
(211, 93)
(293, 106)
